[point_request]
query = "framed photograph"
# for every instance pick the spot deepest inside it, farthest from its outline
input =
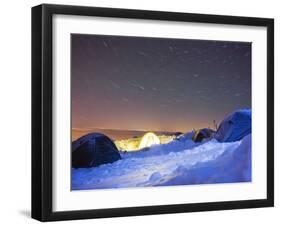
(146, 112)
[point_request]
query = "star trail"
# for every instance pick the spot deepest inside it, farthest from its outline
(141, 83)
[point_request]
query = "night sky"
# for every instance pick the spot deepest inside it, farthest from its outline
(139, 83)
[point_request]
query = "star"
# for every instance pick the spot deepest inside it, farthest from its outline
(125, 99)
(163, 77)
(114, 84)
(137, 86)
(105, 44)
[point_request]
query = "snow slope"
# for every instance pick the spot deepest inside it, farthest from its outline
(233, 165)
(179, 162)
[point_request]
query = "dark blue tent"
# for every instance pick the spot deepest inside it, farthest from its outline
(92, 150)
(202, 134)
(235, 126)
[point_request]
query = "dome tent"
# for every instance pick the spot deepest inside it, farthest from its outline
(149, 139)
(235, 126)
(186, 136)
(92, 150)
(202, 134)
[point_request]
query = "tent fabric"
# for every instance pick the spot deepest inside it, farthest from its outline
(202, 134)
(92, 150)
(235, 126)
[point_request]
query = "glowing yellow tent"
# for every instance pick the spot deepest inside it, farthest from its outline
(149, 139)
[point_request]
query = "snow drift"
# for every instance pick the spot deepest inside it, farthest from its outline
(210, 162)
(234, 165)
(222, 158)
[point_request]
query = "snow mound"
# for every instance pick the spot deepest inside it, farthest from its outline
(235, 126)
(234, 165)
(175, 163)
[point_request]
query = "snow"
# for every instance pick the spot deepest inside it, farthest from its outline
(234, 165)
(183, 143)
(180, 162)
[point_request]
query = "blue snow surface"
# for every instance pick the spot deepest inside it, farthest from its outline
(180, 162)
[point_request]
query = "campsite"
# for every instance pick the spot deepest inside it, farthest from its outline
(202, 156)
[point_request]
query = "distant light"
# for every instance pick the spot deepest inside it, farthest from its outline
(149, 139)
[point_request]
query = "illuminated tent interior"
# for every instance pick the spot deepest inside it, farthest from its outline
(149, 139)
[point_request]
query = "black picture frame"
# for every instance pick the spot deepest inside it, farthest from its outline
(42, 197)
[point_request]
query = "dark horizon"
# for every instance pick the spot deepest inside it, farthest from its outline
(156, 84)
